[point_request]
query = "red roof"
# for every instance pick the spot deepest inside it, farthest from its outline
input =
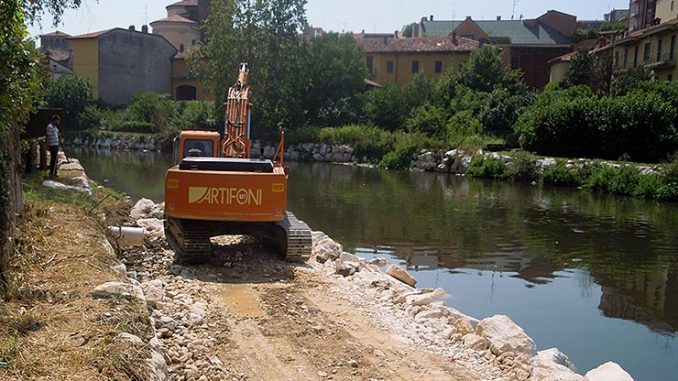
(418, 44)
(175, 18)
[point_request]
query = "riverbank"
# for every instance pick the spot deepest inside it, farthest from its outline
(651, 181)
(337, 317)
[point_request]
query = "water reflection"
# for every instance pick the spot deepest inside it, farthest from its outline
(573, 268)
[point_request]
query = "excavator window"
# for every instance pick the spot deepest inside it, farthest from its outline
(200, 148)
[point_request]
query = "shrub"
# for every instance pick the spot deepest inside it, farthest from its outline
(522, 168)
(196, 115)
(559, 175)
(153, 108)
(487, 168)
(369, 141)
(429, 119)
(305, 134)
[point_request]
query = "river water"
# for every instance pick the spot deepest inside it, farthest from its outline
(594, 275)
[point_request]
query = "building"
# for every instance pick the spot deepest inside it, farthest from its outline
(392, 60)
(665, 10)
(182, 29)
(641, 14)
(58, 50)
(617, 15)
(122, 62)
(653, 47)
(526, 44)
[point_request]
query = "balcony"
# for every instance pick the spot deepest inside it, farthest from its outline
(664, 62)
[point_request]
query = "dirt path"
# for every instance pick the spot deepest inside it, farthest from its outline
(265, 319)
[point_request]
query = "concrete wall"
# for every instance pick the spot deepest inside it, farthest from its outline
(86, 62)
(132, 62)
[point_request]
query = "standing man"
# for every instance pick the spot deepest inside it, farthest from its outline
(52, 141)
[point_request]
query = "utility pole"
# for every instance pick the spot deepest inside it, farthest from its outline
(513, 12)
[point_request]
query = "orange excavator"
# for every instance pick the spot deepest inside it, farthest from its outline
(216, 188)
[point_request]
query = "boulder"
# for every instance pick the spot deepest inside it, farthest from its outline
(60, 186)
(325, 248)
(347, 268)
(135, 340)
(155, 228)
(609, 371)
(553, 365)
(506, 336)
(475, 342)
(142, 209)
(110, 290)
(399, 273)
(153, 291)
(157, 367)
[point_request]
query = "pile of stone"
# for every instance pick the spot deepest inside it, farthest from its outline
(495, 342)
(116, 142)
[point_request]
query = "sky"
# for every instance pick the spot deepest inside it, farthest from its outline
(383, 16)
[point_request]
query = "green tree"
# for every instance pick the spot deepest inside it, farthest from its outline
(581, 70)
(265, 34)
(627, 81)
(71, 93)
(484, 71)
(333, 72)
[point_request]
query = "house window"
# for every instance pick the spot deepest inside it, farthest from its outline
(415, 66)
(660, 42)
(626, 57)
(669, 78)
(439, 67)
(370, 64)
(672, 5)
(635, 56)
(646, 52)
(672, 48)
(389, 67)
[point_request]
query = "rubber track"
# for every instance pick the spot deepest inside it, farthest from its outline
(299, 239)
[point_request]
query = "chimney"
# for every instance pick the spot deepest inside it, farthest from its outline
(498, 18)
(454, 38)
(144, 28)
(431, 18)
(131, 27)
(385, 40)
(395, 34)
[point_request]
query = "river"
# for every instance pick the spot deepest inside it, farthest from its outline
(593, 275)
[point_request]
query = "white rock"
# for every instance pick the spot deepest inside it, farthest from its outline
(475, 342)
(506, 336)
(60, 186)
(135, 340)
(609, 371)
(555, 356)
(152, 292)
(399, 273)
(155, 228)
(142, 209)
(325, 248)
(118, 289)
(157, 367)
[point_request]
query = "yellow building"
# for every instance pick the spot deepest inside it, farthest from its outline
(653, 47)
(559, 66)
(398, 60)
(184, 86)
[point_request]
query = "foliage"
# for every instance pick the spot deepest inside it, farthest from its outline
(584, 34)
(428, 119)
(134, 126)
(559, 175)
(404, 149)
(487, 168)
(390, 106)
(71, 93)
(368, 141)
(581, 70)
(264, 34)
(34, 8)
(575, 123)
(152, 108)
(629, 80)
(333, 72)
(196, 115)
(523, 168)
(484, 71)
(619, 25)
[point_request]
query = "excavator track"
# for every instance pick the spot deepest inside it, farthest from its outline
(190, 239)
(298, 238)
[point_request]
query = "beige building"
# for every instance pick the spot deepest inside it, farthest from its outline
(181, 28)
(653, 47)
(391, 60)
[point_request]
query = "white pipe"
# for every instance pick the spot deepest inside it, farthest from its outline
(128, 236)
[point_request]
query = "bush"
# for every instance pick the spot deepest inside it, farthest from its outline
(196, 115)
(559, 175)
(152, 108)
(305, 134)
(429, 119)
(390, 106)
(523, 168)
(369, 141)
(487, 168)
